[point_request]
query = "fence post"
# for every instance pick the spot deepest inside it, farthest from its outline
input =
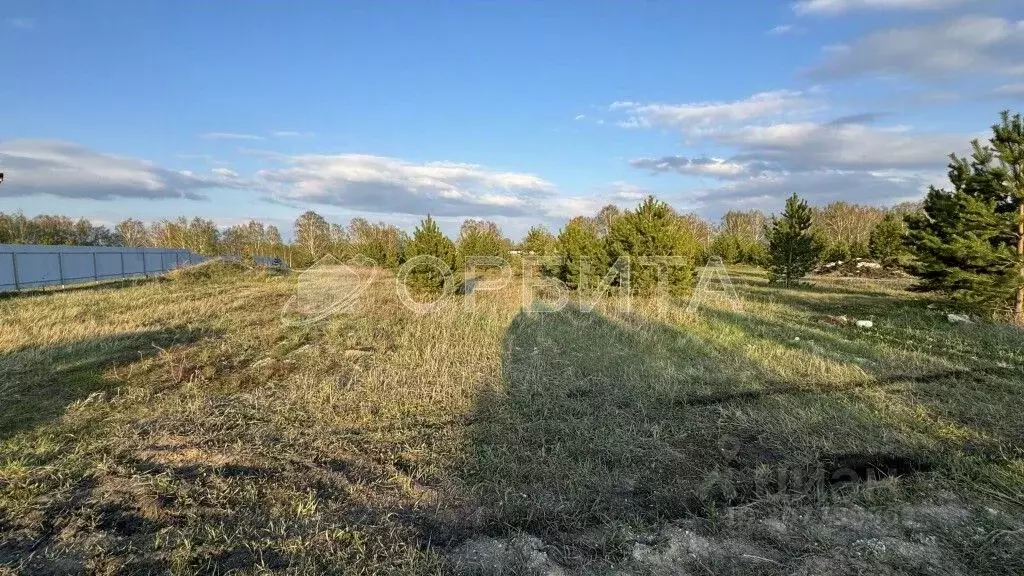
(60, 268)
(95, 269)
(123, 275)
(14, 265)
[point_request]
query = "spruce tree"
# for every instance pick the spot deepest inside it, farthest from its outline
(647, 234)
(968, 241)
(792, 248)
(428, 240)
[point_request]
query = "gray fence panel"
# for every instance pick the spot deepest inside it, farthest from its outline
(7, 273)
(39, 269)
(77, 268)
(109, 265)
(154, 262)
(134, 263)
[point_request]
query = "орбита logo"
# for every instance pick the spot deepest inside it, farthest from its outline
(329, 287)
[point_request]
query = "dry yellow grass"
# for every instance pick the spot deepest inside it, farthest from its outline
(179, 425)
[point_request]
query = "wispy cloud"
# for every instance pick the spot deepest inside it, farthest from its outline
(965, 44)
(1015, 90)
(697, 116)
(832, 7)
(229, 136)
(781, 30)
(292, 134)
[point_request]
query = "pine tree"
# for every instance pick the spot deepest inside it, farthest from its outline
(791, 246)
(584, 258)
(887, 241)
(428, 240)
(1008, 141)
(969, 241)
(646, 234)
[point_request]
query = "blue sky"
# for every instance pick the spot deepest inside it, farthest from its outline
(519, 112)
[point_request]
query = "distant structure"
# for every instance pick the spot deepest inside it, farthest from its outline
(1, 177)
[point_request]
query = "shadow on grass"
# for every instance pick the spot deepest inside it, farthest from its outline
(37, 383)
(957, 377)
(607, 421)
(89, 286)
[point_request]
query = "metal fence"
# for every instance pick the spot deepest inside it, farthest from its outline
(25, 266)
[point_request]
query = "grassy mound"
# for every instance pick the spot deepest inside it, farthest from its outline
(213, 269)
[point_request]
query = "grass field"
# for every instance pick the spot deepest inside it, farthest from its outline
(178, 425)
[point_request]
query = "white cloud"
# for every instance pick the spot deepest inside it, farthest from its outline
(580, 117)
(229, 136)
(765, 153)
(292, 134)
(698, 116)
(832, 7)
(769, 191)
(73, 171)
(807, 146)
(799, 156)
(968, 44)
(390, 185)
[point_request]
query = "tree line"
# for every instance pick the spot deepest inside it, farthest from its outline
(199, 235)
(967, 242)
(844, 230)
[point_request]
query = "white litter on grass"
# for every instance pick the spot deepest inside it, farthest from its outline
(959, 319)
(865, 324)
